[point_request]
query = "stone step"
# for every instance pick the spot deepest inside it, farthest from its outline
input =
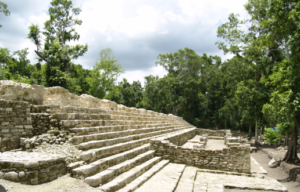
(102, 164)
(129, 176)
(165, 180)
(110, 138)
(114, 128)
(72, 109)
(137, 117)
(103, 116)
(186, 182)
(144, 177)
(233, 144)
(109, 174)
(94, 154)
(52, 109)
(115, 134)
(215, 138)
(132, 113)
(80, 116)
(232, 140)
(92, 123)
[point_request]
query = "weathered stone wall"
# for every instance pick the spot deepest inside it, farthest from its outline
(89, 101)
(40, 123)
(10, 90)
(236, 159)
(216, 133)
(15, 122)
(31, 168)
(179, 138)
(233, 158)
(58, 96)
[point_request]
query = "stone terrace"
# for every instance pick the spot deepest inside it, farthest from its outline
(48, 132)
(111, 139)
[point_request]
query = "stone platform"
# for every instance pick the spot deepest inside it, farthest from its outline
(31, 168)
(182, 178)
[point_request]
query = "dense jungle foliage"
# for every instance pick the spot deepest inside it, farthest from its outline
(259, 87)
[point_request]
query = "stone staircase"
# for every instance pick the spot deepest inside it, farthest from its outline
(115, 143)
(112, 142)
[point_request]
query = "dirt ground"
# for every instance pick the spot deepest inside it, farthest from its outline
(262, 158)
(69, 184)
(62, 184)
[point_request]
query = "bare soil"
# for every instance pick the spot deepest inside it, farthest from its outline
(276, 173)
(62, 184)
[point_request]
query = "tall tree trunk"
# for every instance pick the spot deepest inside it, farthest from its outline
(286, 141)
(256, 124)
(260, 134)
(68, 68)
(250, 132)
(291, 155)
(173, 111)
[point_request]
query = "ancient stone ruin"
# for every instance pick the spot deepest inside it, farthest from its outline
(48, 132)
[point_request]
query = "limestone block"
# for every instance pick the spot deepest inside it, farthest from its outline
(273, 163)
(13, 176)
(22, 175)
(11, 90)
(34, 181)
(61, 96)
(108, 105)
(89, 101)
(121, 107)
(142, 111)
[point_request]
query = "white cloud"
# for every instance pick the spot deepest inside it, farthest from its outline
(174, 17)
(38, 20)
(137, 30)
(210, 11)
(138, 75)
(146, 21)
(112, 17)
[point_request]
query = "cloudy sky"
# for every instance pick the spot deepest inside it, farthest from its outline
(136, 30)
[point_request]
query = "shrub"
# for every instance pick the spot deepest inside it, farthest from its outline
(272, 136)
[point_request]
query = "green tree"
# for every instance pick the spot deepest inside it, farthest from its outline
(16, 66)
(104, 74)
(151, 98)
(252, 92)
(3, 8)
(282, 38)
(37, 75)
(127, 94)
(4, 59)
(232, 72)
(211, 92)
(183, 69)
(59, 30)
(20, 64)
(77, 80)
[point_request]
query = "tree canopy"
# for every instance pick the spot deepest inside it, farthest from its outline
(4, 9)
(59, 30)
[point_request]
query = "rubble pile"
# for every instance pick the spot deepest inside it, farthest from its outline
(66, 149)
(30, 143)
(40, 123)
